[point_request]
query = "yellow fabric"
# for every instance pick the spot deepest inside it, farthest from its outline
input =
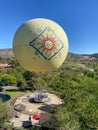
(40, 45)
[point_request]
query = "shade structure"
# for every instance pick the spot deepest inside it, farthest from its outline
(36, 116)
(20, 107)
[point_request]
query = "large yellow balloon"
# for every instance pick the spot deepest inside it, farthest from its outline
(40, 45)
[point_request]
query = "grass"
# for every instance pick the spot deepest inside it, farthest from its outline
(14, 94)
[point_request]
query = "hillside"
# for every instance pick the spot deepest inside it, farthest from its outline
(82, 58)
(6, 53)
(76, 83)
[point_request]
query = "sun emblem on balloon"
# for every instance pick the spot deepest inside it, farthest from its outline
(48, 43)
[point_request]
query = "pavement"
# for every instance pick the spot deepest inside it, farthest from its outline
(34, 108)
(23, 121)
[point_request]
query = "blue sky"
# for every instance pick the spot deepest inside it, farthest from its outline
(79, 19)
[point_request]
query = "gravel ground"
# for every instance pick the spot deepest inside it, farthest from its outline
(34, 108)
(23, 121)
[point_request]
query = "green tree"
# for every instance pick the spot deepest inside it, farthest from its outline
(89, 73)
(0, 80)
(12, 61)
(27, 75)
(9, 79)
(5, 112)
(22, 84)
(64, 119)
(18, 72)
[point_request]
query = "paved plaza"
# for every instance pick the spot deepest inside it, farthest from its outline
(34, 108)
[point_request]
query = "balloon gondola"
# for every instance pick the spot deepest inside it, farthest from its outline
(40, 98)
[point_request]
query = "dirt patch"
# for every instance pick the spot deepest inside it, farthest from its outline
(32, 107)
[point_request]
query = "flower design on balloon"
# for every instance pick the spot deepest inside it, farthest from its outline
(47, 43)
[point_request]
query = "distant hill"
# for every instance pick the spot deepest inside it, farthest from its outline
(95, 55)
(6, 53)
(82, 57)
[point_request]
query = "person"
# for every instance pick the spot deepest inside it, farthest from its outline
(13, 122)
(17, 115)
(30, 117)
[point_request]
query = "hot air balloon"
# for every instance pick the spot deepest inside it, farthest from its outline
(40, 45)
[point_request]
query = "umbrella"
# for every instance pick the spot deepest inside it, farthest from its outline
(36, 116)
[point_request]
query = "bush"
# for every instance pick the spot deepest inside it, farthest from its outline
(9, 79)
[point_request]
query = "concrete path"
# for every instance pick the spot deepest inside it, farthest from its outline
(23, 121)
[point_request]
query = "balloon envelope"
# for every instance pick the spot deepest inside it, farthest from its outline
(40, 45)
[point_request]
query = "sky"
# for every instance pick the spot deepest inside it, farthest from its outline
(78, 18)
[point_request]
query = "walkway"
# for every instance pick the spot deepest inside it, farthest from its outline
(23, 121)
